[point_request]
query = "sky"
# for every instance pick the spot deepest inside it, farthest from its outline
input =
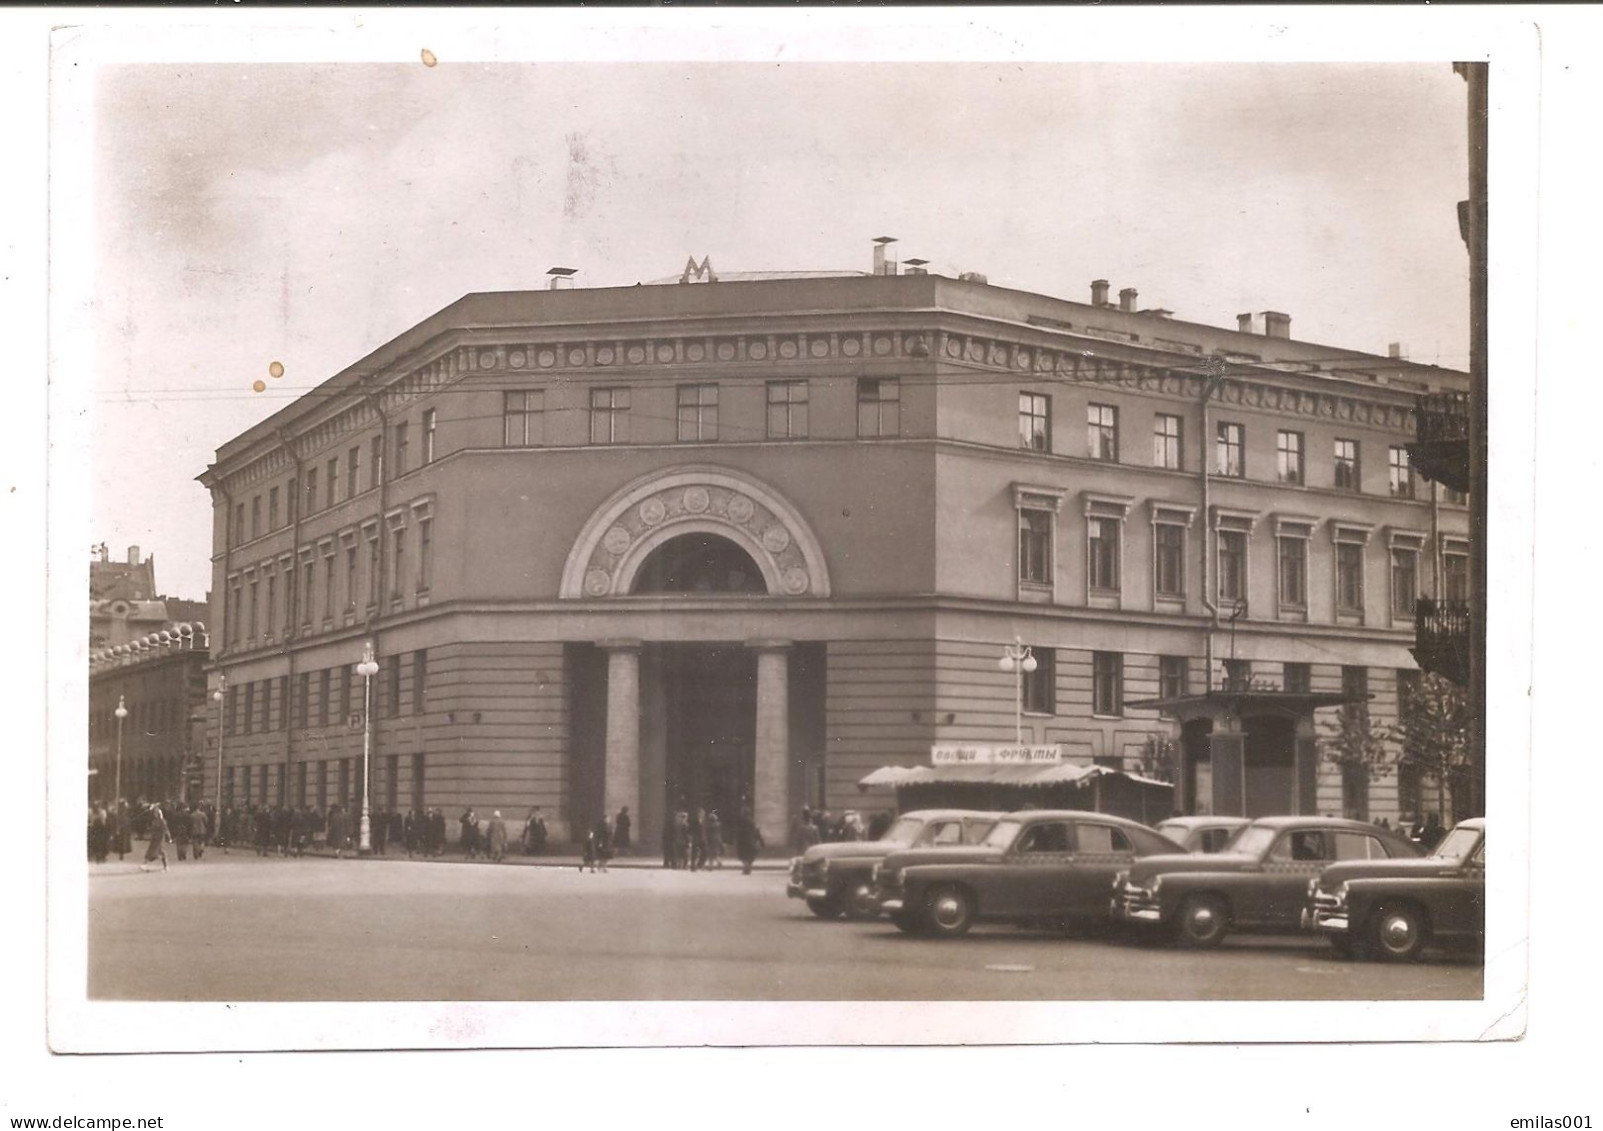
(304, 214)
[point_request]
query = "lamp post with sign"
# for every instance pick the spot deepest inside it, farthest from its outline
(367, 669)
(1017, 657)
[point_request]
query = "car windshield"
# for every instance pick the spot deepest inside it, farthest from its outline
(903, 831)
(1002, 835)
(1456, 845)
(1252, 839)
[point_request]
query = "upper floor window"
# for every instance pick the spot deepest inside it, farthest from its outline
(523, 418)
(1040, 686)
(698, 412)
(1035, 421)
(331, 484)
(1455, 573)
(1174, 677)
(376, 464)
(256, 517)
(1102, 432)
(1404, 580)
(420, 678)
(239, 522)
(609, 416)
(1166, 441)
(1169, 559)
(1232, 567)
(1288, 457)
(1400, 474)
(1103, 553)
(1346, 465)
(311, 490)
(425, 554)
(403, 432)
(353, 464)
(787, 410)
(1035, 546)
(1238, 675)
(1350, 577)
(1231, 455)
(430, 420)
(272, 508)
(879, 406)
(1293, 569)
(1454, 496)
(1107, 683)
(1296, 678)
(292, 498)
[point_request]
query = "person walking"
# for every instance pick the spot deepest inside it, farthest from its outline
(99, 834)
(714, 833)
(468, 833)
(681, 839)
(395, 832)
(437, 832)
(159, 836)
(180, 830)
(623, 832)
(748, 840)
(534, 832)
(380, 830)
(197, 831)
(602, 836)
(498, 838)
(122, 839)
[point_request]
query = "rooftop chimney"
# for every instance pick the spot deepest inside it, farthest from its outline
(916, 266)
(1099, 292)
(133, 555)
(561, 278)
(1127, 299)
(1244, 323)
(1276, 324)
(881, 265)
(1395, 350)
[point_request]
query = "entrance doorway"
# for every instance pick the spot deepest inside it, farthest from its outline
(710, 722)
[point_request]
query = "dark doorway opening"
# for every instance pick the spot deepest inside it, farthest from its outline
(699, 563)
(710, 696)
(1271, 757)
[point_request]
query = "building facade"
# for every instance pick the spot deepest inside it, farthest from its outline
(155, 751)
(745, 541)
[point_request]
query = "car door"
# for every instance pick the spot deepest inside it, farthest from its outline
(1273, 899)
(1031, 881)
(1101, 851)
(1460, 905)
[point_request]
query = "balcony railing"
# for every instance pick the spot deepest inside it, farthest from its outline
(1442, 638)
(1442, 418)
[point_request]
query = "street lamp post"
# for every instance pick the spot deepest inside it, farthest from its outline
(1017, 657)
(122, 713)
(367, 669)
(220, 696)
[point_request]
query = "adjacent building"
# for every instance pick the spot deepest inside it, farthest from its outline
(744, 539)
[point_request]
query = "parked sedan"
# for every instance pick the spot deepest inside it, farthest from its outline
(1202, 834)
(837, 878)
(1259, 883)
(1394, 908)
(1039, 866)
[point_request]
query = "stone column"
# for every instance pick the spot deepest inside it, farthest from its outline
(622, 785)
(771, 782)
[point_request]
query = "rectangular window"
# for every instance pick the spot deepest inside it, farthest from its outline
(272, 508)
(329, 574)
(250, 706)
(430, 419)
(283, 702)
(303, 700)
(1346, 465)
(1035, 546)
(1293, 571)
(353, 471)
(420, 675)
(1400, 474)
(1040, 686)
(879, 406)
(239, 523)
(292, 499)
(609, 416)
(325, 695)
(234, 624)
(1103, 553)
(1102, 432)
(397, 562)
(256, 517)
(392, 697)
(698, 413)
(308, 591)
(1455, 577)
(375, 468)
(787, 410)
(403, 438)
(1349, 577)
(1355, 682)
(1107, 683)
(272, 603)
(288, 567)
(346, 676)
(1455, 497)
(350, 577)
(1166, 451)
(1169, 561)
(1288, 457)
(425, 553)
(255, 594)
(1296, 678)
(1174, 677)
(1035, 422)
(1238, 675)
(1232, 568)
(373, 580)
(1231, 453)
(331, 482)
(1404, 581)
(523, 418)
(311, 490)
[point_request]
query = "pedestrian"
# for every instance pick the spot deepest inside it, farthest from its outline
(180, 830)
(714, 833)
(623, 832)
(379, 826)
(1433, 832)
(806, 834)
(878, 824)
(437, 831)
(197, 831)
(159, 836)
(468, 833)
(698, 840)
(601, 843)
(99, 833)
(681, 839)
(339, 830)
(498, 838)
(748, 840)
(534, 832)
(395, 832)
(283, 828)
(264, 832)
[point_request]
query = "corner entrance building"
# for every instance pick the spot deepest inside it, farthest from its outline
(715, 544)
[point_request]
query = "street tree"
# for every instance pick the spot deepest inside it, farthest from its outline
(1362, 752)
(1432, 732)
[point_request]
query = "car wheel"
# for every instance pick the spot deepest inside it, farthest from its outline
(949, 912)
(824, 908)
(1399, 932)
(908, 922)
(859, 902)
(1204, 921)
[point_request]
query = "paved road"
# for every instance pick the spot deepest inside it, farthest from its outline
(241, 928)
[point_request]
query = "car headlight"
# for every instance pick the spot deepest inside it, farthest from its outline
(823, 868)
(1313, 887)
(1118, 881)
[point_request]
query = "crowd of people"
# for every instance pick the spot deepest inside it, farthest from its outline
(820, 826)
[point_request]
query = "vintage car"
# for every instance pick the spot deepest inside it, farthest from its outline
(1038, 866)
(1394, 908)
(837, 879)
(1259, 883)
(1201, 834)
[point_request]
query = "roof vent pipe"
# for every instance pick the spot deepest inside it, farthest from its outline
(1099, 292)
(882, 266)
(1276, 324)
(916, 266)
(1244, 323)
(1127, 299)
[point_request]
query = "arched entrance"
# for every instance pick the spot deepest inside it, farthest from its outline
(698, 563)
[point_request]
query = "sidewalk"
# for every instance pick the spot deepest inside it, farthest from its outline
(545, 860)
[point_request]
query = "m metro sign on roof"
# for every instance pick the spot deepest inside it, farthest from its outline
(982, 755)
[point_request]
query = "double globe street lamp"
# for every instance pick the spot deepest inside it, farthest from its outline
(1017, 657)
(367, 669)
(219, 696)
